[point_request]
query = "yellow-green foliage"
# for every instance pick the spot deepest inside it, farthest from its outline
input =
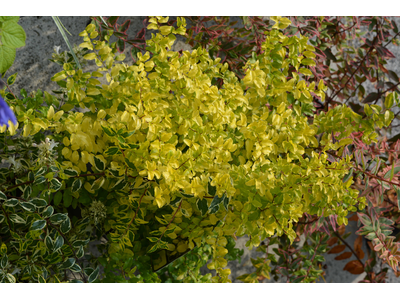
(186, 163)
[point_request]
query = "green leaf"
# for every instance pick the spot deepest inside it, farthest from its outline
(187, 195)
(41, 171)
(70, 172)
(121, 140)
(76, 185)
(9, 18)
(226, 202)
(127, 134)
(152, 239)
(58, 218)
(99, 164)
(114, 173)
(130, 164)
(211, 189)
(79, 243)
(48, 212)
(67, 198)
(4, 261)
(65, 226)
(348, 175)
(40, 180)
(2, 196)
(38, 225)
(28, 206)
(93, 276)
(12, 34)
(255, 215)
(68, 263)
(202, 206)
(214, 206)
(11, 202)
(11, 80)
(98, 183)
(39, 202)
(75, 268)
(31, 176)
(80, 252)
(108, 131)
(17, 219)
(49, 243)
(55, 184)
(154, 248)
(112, 151)
(58, 243)
(7, 57)
(10, 277)
(41, 279)
(57, 198)
(119, 185)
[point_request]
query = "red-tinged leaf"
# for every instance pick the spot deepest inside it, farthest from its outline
(325, 229)
(337, 249)
(120, 45)
(333, 221)
(398, 196)
(333, 240)
(112, 20)
(386, 52)
(373, 214)
(371, 98)
(364, 219)
(329, 54)
(141, 33)
(354, 267)
(393, 76)
(344, 255)
(362, 231)
(395, 29)
(378, 247)
(299, 279)
(124, 27)
(383, 69)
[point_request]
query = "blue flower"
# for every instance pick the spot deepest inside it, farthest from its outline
(6, 113)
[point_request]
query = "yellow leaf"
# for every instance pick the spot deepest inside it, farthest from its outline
(39, 123)
(58, 115)
(281, 108)
(92, 91)
(50, 113)
(90, 56)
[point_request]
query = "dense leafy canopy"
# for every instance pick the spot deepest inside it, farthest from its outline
(160, 160)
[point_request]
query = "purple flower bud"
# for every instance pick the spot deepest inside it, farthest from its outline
(6, 113)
